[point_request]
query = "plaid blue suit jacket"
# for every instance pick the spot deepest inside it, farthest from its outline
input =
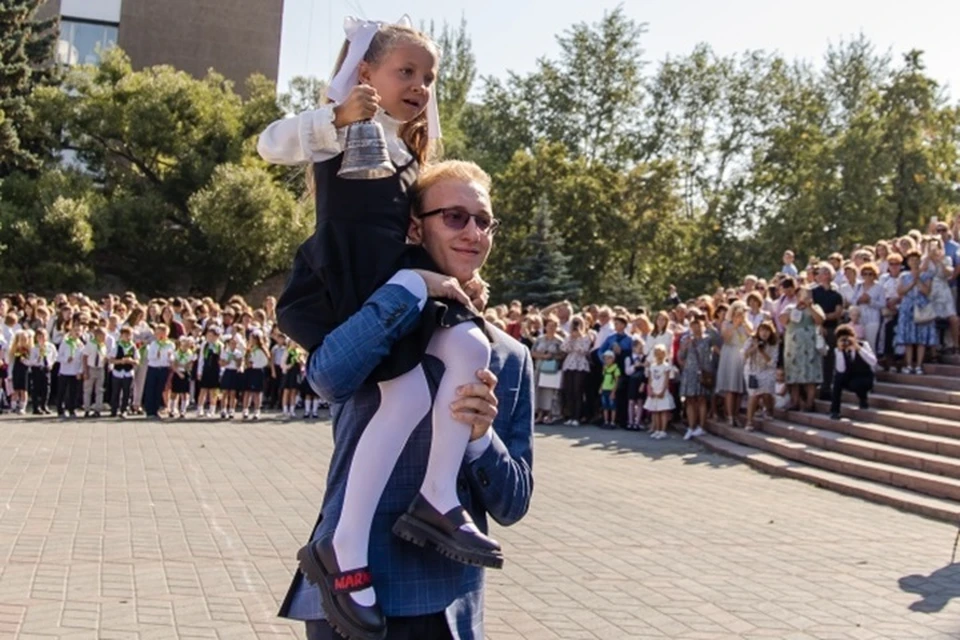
(409, 580)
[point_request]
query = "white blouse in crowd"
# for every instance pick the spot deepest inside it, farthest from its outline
(44, 356)
(866, 353)
(665, 338)
(604, 332)
(871, 311)
(634, 363)
(756, 318)
(160, 355)
(578, 353)
(660, 375)
(95, 354)
(70, 357)
(279, 355)
(231, 358)
(311, 137)
(259, 359)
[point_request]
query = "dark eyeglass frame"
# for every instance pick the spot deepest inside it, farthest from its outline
(487, 225)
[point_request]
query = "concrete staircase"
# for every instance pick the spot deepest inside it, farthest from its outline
(903, 451)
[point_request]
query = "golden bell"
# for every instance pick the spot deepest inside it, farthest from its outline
(365, 154)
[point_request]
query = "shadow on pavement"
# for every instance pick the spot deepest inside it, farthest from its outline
(936, 590)
(622, 442)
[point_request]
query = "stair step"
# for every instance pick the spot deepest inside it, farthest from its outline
(947, 370)
(918, 390)
(951, 359)
(930, 379)
(906, 500)
(910, 406)
(916, 439)
(828, 439)
(900, 419)
(920, 481)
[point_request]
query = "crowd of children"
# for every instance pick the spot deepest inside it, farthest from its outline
(164, 358)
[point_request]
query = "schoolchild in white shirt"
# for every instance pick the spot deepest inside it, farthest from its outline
(231, 363)
(278, 355)
(125, 359)
(95, 358)
(19, 357)
(257, 361)
(208, 370)
(70, 359)
(182, 368)
(293, 361)
(42, 358)
(159, 357)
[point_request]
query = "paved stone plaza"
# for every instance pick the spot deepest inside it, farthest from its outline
(189, 529)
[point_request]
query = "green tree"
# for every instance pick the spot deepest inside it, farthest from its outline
(303, 94)
(541, 274)
(457, 73)
(153, 139)
(26, 50)
(46, 235)
(251, 226)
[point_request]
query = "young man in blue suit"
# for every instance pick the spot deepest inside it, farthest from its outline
(423, 595)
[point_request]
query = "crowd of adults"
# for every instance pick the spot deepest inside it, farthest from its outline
(780, 341)
(783, 341)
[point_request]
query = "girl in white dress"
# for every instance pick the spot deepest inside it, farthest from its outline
(659, 399)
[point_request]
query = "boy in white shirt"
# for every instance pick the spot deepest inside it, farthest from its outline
(94, 372)
(70, 358)
(159, 358)
(42, 357)
(125, 359)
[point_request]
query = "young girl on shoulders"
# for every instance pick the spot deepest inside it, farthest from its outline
(386, 73)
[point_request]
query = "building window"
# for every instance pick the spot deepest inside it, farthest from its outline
(81, 42)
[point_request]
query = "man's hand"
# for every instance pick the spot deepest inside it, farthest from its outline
(441, 286)
(477, 404)
(478, 291)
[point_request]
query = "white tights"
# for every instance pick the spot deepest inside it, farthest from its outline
(404, 402)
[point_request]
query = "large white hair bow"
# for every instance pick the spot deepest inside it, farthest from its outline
(359, 36)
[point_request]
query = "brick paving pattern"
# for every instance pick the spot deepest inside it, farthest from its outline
(188, 530)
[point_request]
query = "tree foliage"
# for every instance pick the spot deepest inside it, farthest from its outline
(26, 48)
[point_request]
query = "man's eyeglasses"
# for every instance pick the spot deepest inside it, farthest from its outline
(457, 219)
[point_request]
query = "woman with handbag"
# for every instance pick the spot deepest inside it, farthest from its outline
(916, 326)
(548, 354)
(941, 297)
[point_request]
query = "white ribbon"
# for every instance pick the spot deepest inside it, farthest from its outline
(359, 36)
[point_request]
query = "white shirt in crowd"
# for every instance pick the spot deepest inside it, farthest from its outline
(604, 332)
(95, 355)
(259, 359)
(279, 355)
(866, 353)
(160, 355)
(665, 338)
(870, 311)
(70, 357)
(45, 356)
(231, 358)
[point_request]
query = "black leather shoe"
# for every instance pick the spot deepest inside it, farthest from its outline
(318, 562)
(423, 524)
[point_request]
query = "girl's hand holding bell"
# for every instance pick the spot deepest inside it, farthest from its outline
(361, 104)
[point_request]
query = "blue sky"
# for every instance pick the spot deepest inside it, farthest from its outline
(512, 35)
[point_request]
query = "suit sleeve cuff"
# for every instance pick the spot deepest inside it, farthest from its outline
(413, 283)
(478, 447)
